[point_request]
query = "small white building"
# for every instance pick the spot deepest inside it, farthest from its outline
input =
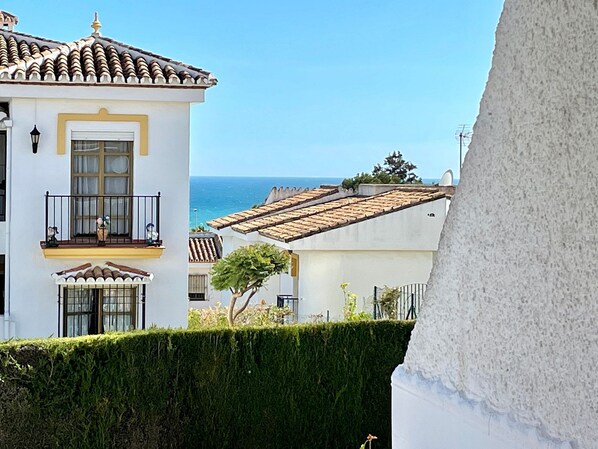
(94, 194)
(380, 235)
(205, 249)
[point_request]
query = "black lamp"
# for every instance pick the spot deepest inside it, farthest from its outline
(34, 138)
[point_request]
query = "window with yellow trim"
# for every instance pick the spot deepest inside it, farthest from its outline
(101, 185)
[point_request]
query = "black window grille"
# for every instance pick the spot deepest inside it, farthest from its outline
(198, 285)
(96, 310)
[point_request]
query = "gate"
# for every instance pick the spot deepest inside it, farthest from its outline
(292, 303)
(398, 303)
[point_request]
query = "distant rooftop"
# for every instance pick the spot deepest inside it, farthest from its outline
(204, 248)
(301, 216)
(297, 200)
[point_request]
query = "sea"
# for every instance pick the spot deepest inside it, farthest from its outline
(216, 196)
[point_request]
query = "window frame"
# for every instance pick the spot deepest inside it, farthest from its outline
(98, 291)
(193, 288)
(101, 176)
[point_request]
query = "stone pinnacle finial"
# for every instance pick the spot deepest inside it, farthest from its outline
(96, 25)
(7, 20)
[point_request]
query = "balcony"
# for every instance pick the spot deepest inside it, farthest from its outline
(102, 226)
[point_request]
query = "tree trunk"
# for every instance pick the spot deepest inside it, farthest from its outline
(231, 309)
(232, 313)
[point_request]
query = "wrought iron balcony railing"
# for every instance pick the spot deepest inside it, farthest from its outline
(114, 220)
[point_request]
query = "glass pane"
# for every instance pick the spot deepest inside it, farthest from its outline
(118, 323)
(119, 227)
(117, 307)
(116, 147)
(118, 299)
(116, 164)
(82, 146)
(78, 325)
(116, 207)
(86, 185)
(80, 310)
(86, 206)
(116, 185)
(86, 164)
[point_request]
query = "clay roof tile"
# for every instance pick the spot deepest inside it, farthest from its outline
(204, 249)
(94, 59)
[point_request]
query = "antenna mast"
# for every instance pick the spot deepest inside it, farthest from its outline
(463, 135)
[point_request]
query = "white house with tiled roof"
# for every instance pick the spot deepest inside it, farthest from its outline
(380, 235)
(94, 163)
(205, 249)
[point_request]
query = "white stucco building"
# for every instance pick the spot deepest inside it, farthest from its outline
(114, 142)
(205, 249)
(518, 257)
(380, 235)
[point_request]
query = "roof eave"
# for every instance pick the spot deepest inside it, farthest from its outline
(356, 221)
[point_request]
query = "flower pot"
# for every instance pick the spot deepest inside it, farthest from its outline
(102, 236)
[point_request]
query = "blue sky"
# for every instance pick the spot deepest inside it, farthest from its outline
(313, 88)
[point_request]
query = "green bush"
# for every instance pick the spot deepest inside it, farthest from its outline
(255, 315)
(316, 386)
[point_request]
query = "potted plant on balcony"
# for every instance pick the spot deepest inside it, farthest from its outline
(102, 231)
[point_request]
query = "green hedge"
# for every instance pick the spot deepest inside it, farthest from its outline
(317, 386)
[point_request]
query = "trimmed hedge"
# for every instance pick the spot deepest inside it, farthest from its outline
(316, 386)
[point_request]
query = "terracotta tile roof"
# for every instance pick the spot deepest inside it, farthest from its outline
(369, 207)
(91, 60)
(110, 273)
(284, 217)
(267, 209)
(204, 248)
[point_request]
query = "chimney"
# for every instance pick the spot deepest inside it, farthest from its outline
(7, 21)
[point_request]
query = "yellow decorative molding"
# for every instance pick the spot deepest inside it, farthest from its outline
(102, 116)
(294, 265)
(100, 252)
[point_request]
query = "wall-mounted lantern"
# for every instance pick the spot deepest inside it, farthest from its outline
(34, 138)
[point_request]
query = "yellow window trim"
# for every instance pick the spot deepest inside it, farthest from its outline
(102, 116)
(294, 265)
(100, 252)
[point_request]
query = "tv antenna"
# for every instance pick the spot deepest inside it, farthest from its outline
(463, 135)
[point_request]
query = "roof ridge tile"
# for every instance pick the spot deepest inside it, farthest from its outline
(108, 65)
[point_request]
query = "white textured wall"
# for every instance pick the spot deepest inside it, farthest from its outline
(322, 272)
(510, 315)
(413, 229)
(33, 293)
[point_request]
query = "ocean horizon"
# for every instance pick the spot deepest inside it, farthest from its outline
(211, 197)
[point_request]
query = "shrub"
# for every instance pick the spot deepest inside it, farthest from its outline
(389, 301)
(313, 386)
(350, 312)
(257, 315)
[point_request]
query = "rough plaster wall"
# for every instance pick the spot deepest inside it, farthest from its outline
(511, 309)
